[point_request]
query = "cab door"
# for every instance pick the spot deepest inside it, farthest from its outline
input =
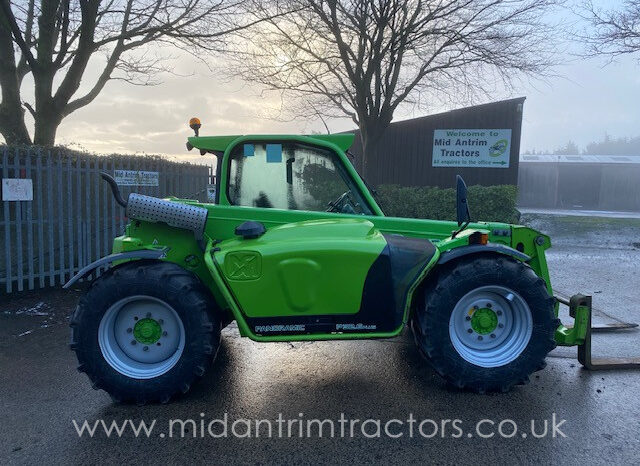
(316, 276)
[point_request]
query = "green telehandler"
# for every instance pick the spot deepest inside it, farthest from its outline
(294, 248)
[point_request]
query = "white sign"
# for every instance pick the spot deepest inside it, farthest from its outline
(17, 189)
(136, 178)
(481, 148)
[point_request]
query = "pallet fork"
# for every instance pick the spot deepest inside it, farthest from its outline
(580, 334)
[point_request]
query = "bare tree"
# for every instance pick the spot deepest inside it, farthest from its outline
(361, 59)
(55, 41)
(613, 32)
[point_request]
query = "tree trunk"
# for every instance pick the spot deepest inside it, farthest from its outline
(45, 128)
(370, 135)
(48, 116)
(12, 125)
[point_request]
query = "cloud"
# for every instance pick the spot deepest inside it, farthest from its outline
(587, 102)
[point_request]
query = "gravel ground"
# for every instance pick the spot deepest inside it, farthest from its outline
(41, 394)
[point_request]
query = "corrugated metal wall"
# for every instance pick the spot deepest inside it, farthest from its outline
(591, 186)
(404, 154)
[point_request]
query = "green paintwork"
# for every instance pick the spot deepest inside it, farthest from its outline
(316, 267)
(220, 143)
(147, 331)
(484, 321)
(310, 263)
(575, 335)
(245, 331)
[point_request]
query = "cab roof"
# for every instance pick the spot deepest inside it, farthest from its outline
(220, 143)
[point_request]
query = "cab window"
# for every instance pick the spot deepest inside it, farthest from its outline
(292, 176)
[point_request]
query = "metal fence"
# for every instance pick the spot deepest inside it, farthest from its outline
(73, 217)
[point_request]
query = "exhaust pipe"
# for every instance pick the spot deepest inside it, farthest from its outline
(114, 188)
(154, 210)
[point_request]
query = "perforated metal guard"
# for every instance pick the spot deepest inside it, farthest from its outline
(152, 209)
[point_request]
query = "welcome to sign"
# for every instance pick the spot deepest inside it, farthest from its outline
(482, 148)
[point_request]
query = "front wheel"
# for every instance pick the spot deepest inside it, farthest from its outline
(145, 331)
(486, 323)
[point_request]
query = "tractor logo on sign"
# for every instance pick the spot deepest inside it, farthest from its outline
(246, 265)
(498, 148)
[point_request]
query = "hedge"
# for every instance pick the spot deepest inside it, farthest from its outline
(486, 203)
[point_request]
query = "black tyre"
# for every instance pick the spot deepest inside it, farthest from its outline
(486, 323)
(145, 331)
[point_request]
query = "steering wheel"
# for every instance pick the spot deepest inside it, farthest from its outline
(336, 205)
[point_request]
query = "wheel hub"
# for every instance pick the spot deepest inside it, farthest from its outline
(147, 331)
(484, 321)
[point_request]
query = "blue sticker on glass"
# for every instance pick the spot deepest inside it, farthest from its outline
(274, 153)
(249, 150)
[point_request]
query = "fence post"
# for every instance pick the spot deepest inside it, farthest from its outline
(94, 179)
(18, 244)
(87, 217)
(105, 210)
(60, 218)
(70, 234)
(40, 172)
(50, 218)
(7, 224)
(29, 207)
(78, 212)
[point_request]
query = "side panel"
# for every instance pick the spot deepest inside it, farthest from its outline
(311, 268)
(322, 277)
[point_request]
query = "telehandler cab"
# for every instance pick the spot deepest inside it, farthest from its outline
(296, 248)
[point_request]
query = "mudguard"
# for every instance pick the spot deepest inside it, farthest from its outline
(480, 248)
(140, 254)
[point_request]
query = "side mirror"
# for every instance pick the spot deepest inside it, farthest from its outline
(462, 206)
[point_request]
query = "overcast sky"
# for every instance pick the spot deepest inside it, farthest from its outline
(590, 99)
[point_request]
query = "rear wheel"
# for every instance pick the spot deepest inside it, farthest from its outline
(486, 323)
(145, 331)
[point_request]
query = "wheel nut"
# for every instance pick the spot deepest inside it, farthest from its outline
(499, 313)
(158, 344)
(489, 305)
(500, 325)
(164, 334)
(493, 335)
(129, 330)
(469, 331)
(148, 314)
(133, 342)
(480, 337)
(146, 348)
(135, 318)
(467, 318)
(160, 321)
(475, 307)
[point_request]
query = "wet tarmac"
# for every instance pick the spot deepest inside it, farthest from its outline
(41, 393)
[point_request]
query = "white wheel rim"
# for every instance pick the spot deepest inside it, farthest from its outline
(489, 346)
(141, 356)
